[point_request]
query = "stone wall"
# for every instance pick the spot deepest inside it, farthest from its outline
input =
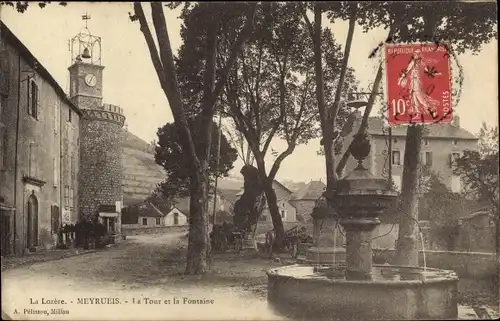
(136, 229)
(101, 168)
(465, 264)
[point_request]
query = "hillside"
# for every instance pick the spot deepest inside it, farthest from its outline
(141, 173)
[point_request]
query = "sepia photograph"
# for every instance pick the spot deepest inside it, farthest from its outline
(319, 160)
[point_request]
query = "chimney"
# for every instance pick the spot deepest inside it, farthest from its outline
(456, 121)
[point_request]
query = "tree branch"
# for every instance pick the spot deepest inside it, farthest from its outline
(242, 37)
(139, 13)
(172, 89)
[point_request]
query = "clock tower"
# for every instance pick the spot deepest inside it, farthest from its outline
(85, 73)
(101, 170)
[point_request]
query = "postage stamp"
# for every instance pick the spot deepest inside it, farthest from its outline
(418, 83)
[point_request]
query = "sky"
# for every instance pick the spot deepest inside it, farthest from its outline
(130, 80)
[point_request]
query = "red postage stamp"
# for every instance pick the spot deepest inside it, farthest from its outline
(418, 83)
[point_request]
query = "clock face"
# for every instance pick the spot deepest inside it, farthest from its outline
(90, 80)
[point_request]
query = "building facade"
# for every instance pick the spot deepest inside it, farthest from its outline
(39, 151)
(305, 199)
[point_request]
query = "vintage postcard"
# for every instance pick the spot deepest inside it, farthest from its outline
(249, 160)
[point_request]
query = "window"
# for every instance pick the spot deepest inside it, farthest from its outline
(158, 221)
(396, 157)
(454, 142)
(453, 158)
(176, 218)
(3, 147)
(71, 198)
(144, 221)
(69, 115)
(282, 214)
(426, 142)
(428, 159)
(66, 196)
(33, 99)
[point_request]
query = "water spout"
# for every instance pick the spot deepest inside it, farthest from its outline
(423, 249)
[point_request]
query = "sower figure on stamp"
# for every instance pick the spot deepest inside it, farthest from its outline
(420, 101)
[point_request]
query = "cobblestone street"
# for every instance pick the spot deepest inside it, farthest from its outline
(139, 268)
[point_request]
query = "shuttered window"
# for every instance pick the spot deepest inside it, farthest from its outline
(3, 147)
(33, 99)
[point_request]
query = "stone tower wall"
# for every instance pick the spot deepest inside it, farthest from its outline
(101, 170)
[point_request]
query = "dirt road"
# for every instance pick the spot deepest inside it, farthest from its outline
(139, 280)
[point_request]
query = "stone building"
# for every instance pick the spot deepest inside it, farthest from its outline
(39, 151)
(304, 199)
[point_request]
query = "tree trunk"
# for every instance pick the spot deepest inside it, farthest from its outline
(407, 247)
(272, 203)
(198, 225)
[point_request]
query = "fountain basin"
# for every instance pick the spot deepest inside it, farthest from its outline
(397, 293)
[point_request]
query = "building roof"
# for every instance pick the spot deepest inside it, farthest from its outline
(312, 191)
(376, 125)
(182, 204)
(274, 181)
(149, 210)
(36, 65)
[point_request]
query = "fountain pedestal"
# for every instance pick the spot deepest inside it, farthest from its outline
(359, 247)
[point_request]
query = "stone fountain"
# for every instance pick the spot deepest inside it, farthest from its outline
(357, 289)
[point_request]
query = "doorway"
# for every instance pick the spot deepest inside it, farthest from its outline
(32, 230)
(5, 232)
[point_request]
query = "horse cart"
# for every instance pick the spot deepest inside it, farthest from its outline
(224, 237)
(293, 237)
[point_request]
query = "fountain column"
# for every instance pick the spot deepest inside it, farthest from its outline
(359, 199)
(359, 247)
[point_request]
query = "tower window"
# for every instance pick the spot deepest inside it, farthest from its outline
(396, 157)
(69, 115)
(33, 99)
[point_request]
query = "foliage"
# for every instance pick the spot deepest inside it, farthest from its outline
(479, 169)
(443, 209)
(170, 156)
(22, 6)
(160, 200)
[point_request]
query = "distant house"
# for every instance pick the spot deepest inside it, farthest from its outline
(175, 218)
(146, 215)
(304, 200)
(287, 210)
